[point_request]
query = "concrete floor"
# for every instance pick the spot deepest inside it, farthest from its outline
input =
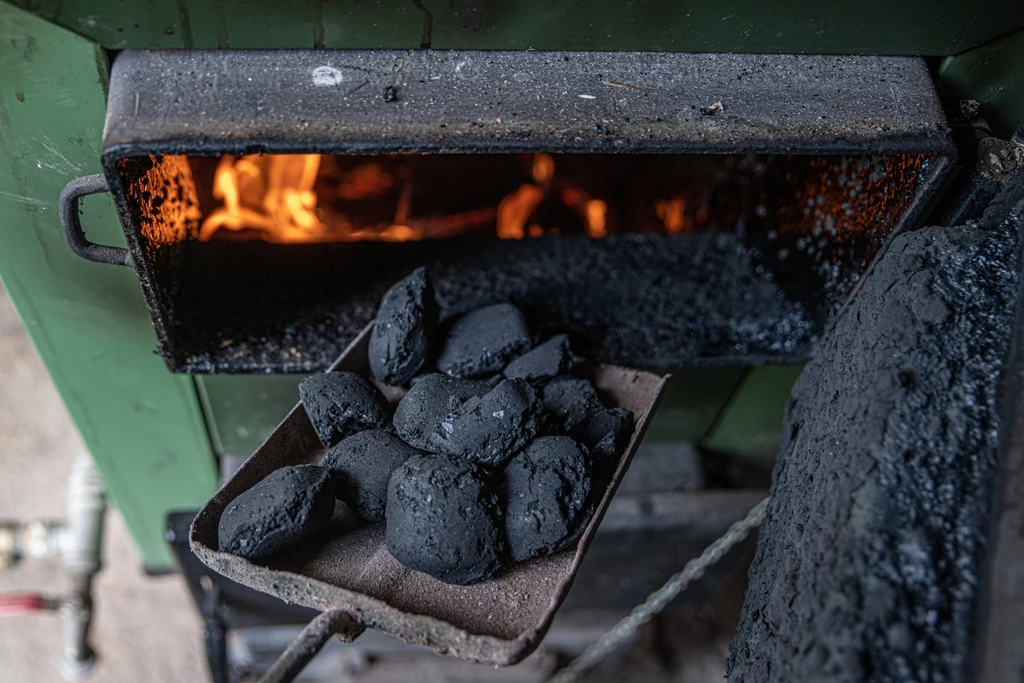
(146, 629)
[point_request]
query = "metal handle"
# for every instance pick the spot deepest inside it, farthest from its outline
(294, 659)
(72, 226)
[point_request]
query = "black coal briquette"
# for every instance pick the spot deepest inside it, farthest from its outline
(553, 357)
(605, 432)
(287, 507)
(362, 465)
(569, 400)
(341, 404)
(444, 518)
(483, 341)
(548, 491)
(404, 329)
(431, 399)
(492, 428)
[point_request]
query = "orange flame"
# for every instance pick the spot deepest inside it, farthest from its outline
(594, 212)
(543, 169)
(672, 213)
(271, 194)
(275, 196)
(515, 209)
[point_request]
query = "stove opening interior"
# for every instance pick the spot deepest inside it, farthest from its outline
(268, 263)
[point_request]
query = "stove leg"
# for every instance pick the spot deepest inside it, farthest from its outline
(215, 637)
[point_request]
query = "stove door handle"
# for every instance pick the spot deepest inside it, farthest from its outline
(72, 225)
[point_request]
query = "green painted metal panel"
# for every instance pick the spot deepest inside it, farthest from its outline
(243, 410)
(89, 322)
(750, 426)
(692, 400)
(925, 27)
(992, 74)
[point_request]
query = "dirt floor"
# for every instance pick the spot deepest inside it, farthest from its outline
(146, 629)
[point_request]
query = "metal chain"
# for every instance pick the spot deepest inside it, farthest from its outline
(659, 599)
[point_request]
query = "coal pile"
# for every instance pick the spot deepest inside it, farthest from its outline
(497, 453)
(547, 360)
(489, 429)
(428, 402)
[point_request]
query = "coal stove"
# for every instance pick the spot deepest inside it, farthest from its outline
(667, 210)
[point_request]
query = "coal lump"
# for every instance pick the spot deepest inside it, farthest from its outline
(553, 357)
(340, 404)
(491, 428)
(284, 509)
(548, 491)
(444, 518)
(404, 329)
(568, 401)
(362, 465)
(605, 432)
(430, 400)
(483, 341)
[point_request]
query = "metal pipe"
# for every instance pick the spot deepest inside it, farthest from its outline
(316, 634)
(81, 546)
(35, 538)
(78, 542)
(83, 533)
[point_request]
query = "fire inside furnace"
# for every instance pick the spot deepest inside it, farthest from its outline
(578, 239)
(310, 198)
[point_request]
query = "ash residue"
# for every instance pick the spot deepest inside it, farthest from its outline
(868, 564)
(652, 301)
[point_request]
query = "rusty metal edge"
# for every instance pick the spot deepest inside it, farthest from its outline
(419, 629)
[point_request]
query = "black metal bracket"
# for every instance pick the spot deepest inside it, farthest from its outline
(72, 225)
